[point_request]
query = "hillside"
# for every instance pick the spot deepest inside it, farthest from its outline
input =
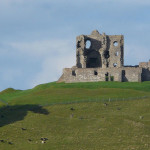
(100, 115)
(60, 92)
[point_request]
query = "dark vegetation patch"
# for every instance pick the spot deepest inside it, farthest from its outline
(11, 114)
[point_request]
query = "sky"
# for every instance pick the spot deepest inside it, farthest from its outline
(37, 37)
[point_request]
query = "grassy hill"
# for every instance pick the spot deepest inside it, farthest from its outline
(99, 116)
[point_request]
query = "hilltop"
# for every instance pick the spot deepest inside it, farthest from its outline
(67, 92)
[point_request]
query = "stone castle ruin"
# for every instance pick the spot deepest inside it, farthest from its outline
(100, 57)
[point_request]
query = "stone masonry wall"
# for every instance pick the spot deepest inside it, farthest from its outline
(101, 74)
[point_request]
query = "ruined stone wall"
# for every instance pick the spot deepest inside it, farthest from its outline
(116, 51)
(145, 65)
(131, 74)
(101, 74)
(89, 75)
(145, 70)
(100, 57)
(104, 51)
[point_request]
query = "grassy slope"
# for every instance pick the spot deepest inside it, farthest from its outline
(61, 92)
(91, 126)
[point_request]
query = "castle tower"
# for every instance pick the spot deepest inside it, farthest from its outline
(99, 50)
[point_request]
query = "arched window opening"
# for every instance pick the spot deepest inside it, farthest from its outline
(115, 43)
(87, 44)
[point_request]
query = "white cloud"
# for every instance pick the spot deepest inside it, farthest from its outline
(54, 55)
(44, 48)
(52, 69)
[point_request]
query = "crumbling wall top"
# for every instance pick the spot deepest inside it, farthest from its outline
(95, 33)
(99, 50)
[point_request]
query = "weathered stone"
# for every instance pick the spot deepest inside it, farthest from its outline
(145, 70)
(103, 51)
(100, 57)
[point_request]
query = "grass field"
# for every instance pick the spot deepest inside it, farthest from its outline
(113, 125)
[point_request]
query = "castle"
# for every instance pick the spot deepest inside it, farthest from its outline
(100, 57)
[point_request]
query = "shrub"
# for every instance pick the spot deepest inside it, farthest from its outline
(111, 78)
(106, 78)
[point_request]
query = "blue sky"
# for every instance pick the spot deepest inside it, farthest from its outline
(37, 37)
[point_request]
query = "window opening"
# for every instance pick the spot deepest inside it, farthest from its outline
(117, 53)
(115, 43)
(106, 77)
(73, 73)
(95, 73)
(88, 44)
(115, 64)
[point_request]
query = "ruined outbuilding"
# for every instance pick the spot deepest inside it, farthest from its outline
(100, 57)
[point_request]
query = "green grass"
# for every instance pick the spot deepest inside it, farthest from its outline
(62, 92)
(90, 126)
(114, 125)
